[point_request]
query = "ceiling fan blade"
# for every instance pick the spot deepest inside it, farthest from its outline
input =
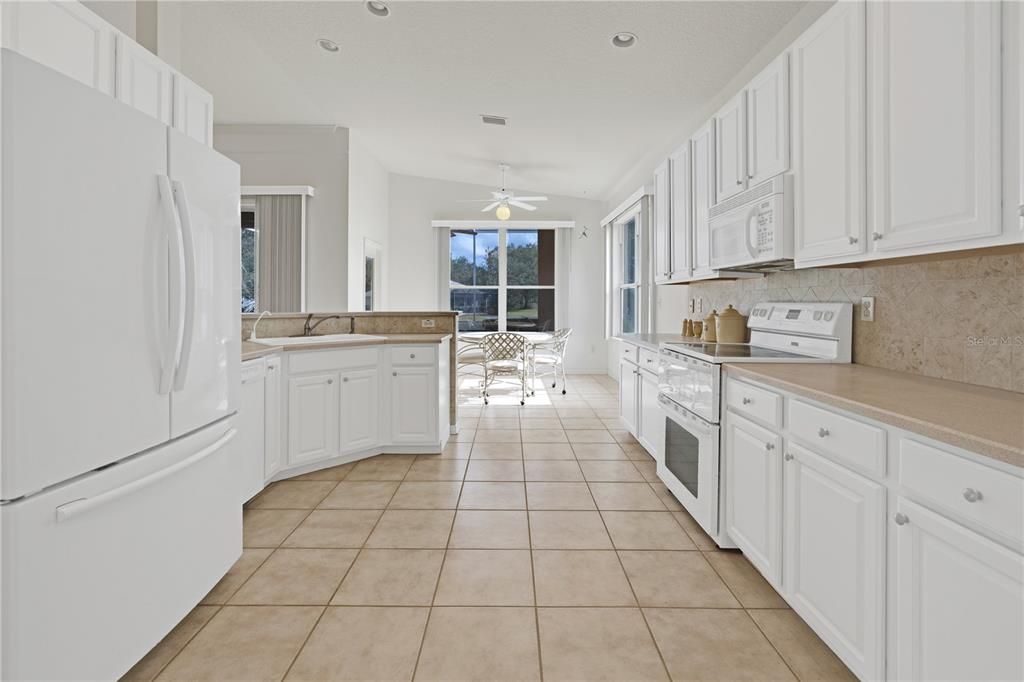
(490, 207)
(531, 198)
(519, 204)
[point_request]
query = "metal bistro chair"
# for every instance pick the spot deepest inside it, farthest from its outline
(504, 355)
(549, 357)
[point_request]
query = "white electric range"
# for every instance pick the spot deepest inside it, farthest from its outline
(690, 393)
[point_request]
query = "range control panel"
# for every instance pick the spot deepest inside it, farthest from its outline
(818, 319)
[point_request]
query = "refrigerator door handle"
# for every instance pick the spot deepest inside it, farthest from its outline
(70, 510)
(176, 268)
(188, 321)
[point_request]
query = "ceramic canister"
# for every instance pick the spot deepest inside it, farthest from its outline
(710, 324)
(731, 327)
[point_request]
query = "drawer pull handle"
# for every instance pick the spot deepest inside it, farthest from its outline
(972, 495)
(822, 432)
(788, 457)
(747, 401)
(901, 519)
(769, 446)
(330, 381)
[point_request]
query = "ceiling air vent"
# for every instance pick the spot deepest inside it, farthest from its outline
(494, 120)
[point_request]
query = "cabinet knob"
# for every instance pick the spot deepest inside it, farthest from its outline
(876, 236)
(972, 495)
(394, 374)
(649, 361)
(769, 446)
(822, 432)
(901, 519)
(344, 380)
(412, 356)
(747, 401)
(739, 182)
(853, 240)
(788, 457)
(750, 175)
(330, 381)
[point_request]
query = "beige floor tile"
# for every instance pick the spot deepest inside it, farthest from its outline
(498, 423)
(590, 436)
(382, 468)
(486, 577)
(714, 644)
(412, 529)
(568, 530)
(246, 565)
(362, 643)
(426, 495)
(535, 411)
(666, 496)
(391, 577)
(623, 472)
(752, 590)
(623, 436)
(339, 528)
(455, 449)
(544, 436)
(635, 452)
(566, 412)
(544, 451)
(681, 579)
(625, 497)
(160, 655)
(269, 527)
(492, 495)
(553, 470)
(497, 451)
(296, 577)
(646, 530)
(693, 529)
(360, 495)
(480, 643)
(648, 469)
(245, 643)
(614, 423)
(437, 469)
(463, 436)
(335, 473)
(488, 529)
(531, 423)
(580, 578)
(495, 470)
(598, 451)
(577, 423)
(497, 436)
(292, 495)
(805, 653)
(606, 412)
(597, 644)
(559, 496)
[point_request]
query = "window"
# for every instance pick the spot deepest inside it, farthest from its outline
(629, 282)
(627, 277)
(503, 280)
(249, 262)
(368, 274)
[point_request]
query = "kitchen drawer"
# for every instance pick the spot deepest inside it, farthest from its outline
(992, 499)
(647, 359)
(629, 352)
(413, 355)
(327, 360)
(850, 442)
(764, 406)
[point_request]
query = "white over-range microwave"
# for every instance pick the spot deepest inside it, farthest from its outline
(754, 229)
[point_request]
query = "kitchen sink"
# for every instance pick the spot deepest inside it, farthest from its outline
(323, 338)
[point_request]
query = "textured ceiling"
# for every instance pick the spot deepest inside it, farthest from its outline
(581, 113)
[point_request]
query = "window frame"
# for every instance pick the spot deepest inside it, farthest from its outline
(248, 205)
(617, 266)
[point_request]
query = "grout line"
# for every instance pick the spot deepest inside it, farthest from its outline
(533, 578)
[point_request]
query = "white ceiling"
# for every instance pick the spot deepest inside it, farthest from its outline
(412, 85)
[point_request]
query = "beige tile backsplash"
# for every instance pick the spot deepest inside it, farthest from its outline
(960, 317)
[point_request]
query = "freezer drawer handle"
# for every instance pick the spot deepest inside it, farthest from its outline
(70, 510)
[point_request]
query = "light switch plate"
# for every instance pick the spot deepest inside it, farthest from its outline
(427, 324)
(867, 309)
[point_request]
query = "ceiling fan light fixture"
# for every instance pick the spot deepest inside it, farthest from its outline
(503, 212)
(327, 45)
(378, 8)
(624, 39)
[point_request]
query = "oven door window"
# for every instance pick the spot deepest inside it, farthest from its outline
(682, 456)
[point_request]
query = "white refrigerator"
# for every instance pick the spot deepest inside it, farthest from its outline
(119, 357)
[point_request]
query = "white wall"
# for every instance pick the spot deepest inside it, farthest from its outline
(303, 155)
(413, 260)
(368, 210)
(120, 13)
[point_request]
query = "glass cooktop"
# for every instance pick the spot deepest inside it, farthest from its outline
(732, 351)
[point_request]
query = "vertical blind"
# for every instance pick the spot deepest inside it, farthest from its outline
(279, 225)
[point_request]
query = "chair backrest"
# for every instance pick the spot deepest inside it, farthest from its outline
(503, 346)
(559, 340)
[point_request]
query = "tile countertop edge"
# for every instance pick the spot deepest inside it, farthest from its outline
(1003, 450)
(254, 349)
(653, 341)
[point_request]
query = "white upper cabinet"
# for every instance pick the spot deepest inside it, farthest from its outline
(934, 123)
(193, 110)
(143, 81)
(731, 147)
(702, 154)
(64, 36)
(681, 209)
(662, 225)
(1013, 118)
(768, 122)
(829, 136)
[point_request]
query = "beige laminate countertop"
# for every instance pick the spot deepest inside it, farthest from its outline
(986, 421)
(254, 349)
(652, 341)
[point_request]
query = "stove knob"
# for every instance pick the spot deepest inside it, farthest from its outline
(817, 314)
(828, 316)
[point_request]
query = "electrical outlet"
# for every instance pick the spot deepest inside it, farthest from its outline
(693, 305)
(867, 309)
(700, 305)
(427, 324)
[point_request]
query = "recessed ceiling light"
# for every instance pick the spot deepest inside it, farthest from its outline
(327, 45)
(377, 8)
(624, 39)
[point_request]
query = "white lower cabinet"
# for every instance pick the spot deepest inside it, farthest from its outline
(272, 426)
(359, 410)
(628, 400)
(313, 408)
(650, 419)
(413, 405)
(250, 444)
(959, 602)
(834, 559)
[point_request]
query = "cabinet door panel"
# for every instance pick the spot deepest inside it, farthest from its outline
(934, 81)
(702, 152)
(193, 110)
(835, 557)
(959, 602)
(143, 80)
(312, 418)
(681, 207)
(650, 419)
(359, 410)
(272, 416)
(768, 122)
(754, 494)
(829, 203)
(627, 395)
(731, 148)
(662, 225)
(251, 443)
(413, 401)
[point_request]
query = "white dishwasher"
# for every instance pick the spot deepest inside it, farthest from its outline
(251, 445)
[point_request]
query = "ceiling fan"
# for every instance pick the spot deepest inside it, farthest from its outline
(502, 200)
